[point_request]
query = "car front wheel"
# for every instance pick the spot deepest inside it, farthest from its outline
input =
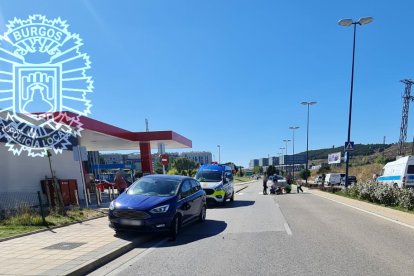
(202, 215)
(175, 227)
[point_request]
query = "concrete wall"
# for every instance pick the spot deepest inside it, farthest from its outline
(23, 173)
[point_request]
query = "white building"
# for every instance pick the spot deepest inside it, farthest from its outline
(201, 157)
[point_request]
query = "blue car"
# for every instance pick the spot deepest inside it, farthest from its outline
(158, 203)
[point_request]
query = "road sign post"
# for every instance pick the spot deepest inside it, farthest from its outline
(349, 146)
(164, 161)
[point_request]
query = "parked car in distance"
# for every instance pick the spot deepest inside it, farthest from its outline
(158, 203)
(351, 180)
(318, 179)
(281, 181)
(332, 179)
(103, 184)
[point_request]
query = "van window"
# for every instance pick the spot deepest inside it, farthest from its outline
(410, 169)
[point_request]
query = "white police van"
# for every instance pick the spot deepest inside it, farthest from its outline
(217, 181)
(398, 173)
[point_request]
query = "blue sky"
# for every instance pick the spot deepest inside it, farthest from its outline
(233, 73)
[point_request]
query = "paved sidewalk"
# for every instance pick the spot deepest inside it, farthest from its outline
(69, 250)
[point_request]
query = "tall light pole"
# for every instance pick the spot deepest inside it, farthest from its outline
(283, 159)
(219, 153)
(347, 23)
(293, 128)
(286, 147)
(307, 139)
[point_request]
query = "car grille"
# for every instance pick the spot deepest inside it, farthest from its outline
(131, 214)
(209, 191)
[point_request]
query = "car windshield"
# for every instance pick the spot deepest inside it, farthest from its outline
(154, 187)
(209, 176)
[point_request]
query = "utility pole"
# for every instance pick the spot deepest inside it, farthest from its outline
(404, 121)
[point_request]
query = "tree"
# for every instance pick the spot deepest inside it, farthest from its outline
(182, 163)
(325, 168)
(271, 170)
(256, 169)
(304, 174)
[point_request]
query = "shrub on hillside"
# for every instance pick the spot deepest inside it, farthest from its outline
(366, 191)
(406, 199)
(353, 191)
(385, 194)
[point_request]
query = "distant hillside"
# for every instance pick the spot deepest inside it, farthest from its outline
(360, 150)
(362, 154)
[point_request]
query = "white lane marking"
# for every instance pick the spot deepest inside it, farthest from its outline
(369, 212)
(123, 266)
(240, 194)
(287, 228)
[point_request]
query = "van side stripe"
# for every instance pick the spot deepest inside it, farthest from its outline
(392, 177)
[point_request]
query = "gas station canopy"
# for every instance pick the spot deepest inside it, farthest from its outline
(99, 136)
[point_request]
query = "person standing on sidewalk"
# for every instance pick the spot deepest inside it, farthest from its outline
(265, 184)
(120, 183)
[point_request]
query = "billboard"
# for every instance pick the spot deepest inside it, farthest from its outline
(334, 158)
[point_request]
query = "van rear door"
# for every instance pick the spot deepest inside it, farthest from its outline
(409, 178)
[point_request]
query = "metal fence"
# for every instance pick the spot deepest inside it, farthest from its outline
(13, 202)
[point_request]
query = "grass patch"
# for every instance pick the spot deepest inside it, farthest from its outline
(29, 221)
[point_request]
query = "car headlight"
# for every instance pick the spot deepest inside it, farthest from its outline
(112, 205)
(160, 209)
(219, 187)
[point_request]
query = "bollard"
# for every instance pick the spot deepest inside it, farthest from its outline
(99, 196)
(88, 194)
(76, 197)
(41, 208)
(111, 193)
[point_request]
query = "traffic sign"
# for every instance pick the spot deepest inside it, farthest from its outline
(349, 146)
(164, 159)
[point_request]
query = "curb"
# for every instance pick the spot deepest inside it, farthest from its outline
(93, 265)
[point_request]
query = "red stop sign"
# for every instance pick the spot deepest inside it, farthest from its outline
(164, 159)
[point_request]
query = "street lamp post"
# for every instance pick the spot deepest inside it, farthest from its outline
(293, 128)
(347, 23)
(219, 153)
(286, 147)
(307, 139)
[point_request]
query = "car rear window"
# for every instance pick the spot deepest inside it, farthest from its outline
(154, 187)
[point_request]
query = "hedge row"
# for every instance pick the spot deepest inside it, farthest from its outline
(383, 194)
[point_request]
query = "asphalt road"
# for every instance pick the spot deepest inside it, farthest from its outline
(290, 234)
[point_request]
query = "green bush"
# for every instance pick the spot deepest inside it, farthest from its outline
(386, 195)
(406, 199)
(383, 194)
(288, 189)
